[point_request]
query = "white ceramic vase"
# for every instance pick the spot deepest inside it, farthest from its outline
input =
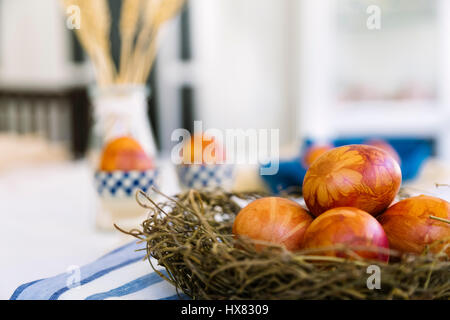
(121, 110)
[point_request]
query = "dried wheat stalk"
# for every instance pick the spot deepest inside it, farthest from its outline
(129, 21)
(140, 23)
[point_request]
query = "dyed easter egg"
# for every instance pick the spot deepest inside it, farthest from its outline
(383, 145)
(202, 149)
(275, 220)
(350, 227)
(125, 154)
(409, 227)
(359, 176)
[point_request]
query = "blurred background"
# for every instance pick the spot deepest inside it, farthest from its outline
(313, 69)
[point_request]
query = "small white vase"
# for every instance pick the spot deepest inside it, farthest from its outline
(121, 110)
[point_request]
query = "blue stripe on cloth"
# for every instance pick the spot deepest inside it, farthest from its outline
(97, 275)
(130, 287)
(55, 286)
(19, 290)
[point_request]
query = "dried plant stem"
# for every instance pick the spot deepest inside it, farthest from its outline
(94, 36)
(129, 21)
(140, 23)
(157, 12)
(440, 219)
(149, 60)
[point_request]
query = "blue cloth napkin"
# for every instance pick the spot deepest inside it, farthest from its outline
(120, 274)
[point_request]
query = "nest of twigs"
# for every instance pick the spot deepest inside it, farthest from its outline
(190, 235)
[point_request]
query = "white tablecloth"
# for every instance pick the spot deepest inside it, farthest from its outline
(48, 222)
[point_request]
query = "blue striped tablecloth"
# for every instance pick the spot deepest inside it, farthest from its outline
(120, 274)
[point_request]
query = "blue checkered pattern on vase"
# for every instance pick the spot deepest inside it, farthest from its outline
(206, 176)
(125, 183)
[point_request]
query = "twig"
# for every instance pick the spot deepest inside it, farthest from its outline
(440, 219)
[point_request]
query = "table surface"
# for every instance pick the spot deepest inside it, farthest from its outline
(48, 222)
(48, 218)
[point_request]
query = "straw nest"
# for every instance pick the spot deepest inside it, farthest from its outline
(190, 235)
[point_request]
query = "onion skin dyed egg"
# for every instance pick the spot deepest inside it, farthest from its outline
(275, 220)
(125, 154)
(315, 152)
(359, 176)
(210, 152)
(409, 227)
(383, 145)
(347, 226)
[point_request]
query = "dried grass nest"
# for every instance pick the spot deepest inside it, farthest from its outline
(190, 235)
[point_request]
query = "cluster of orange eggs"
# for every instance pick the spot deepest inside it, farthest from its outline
(349, 191)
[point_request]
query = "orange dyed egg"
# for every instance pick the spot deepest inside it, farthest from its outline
(315, 152)
(276, 220)
(409, 227)
(383, 145)
(350, 227)
(357, 176)
(205, 150)
(124, 154)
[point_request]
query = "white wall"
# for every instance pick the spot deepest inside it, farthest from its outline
(242, 49)
(315, 68)
(35, 46)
